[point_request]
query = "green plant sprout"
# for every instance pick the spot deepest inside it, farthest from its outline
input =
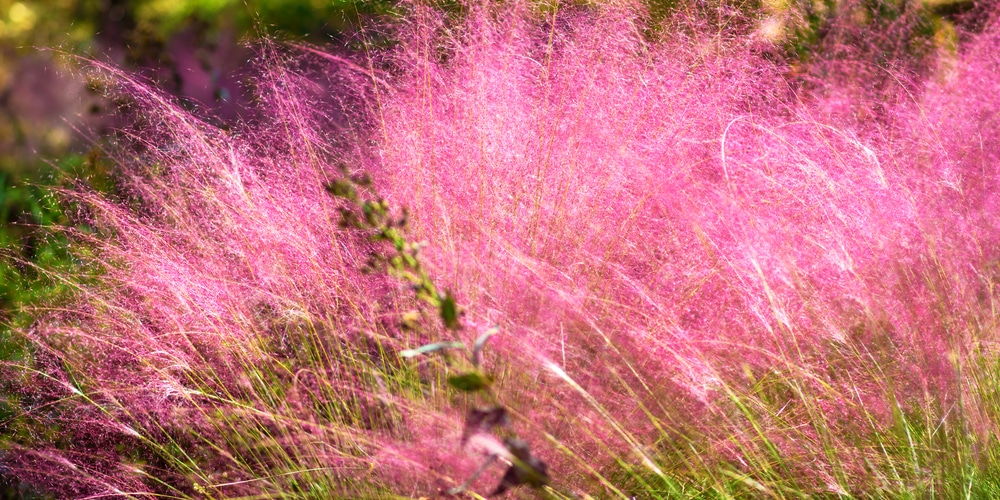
(400, 258)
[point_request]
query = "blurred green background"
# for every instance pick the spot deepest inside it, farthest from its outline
(52, 120)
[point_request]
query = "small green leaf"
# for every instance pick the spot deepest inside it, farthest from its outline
(470, 382)
(449, 312)
(342, 188)
(424, 349)
(409, 261)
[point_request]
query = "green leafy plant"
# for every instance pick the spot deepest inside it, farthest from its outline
(392, 252)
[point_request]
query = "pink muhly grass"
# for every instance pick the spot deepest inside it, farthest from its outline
(706, 277)
(719, 262)
(229, 339)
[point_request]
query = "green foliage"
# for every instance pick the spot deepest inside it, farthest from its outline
(470, 381)
(29, 252)
(28, 246)
(285, 18)
(449, 312)
(400, 258)
(73, 24)
(34, 245)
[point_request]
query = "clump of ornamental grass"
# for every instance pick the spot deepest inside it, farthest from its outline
(707, 279)
(710, 280)
(226, 341)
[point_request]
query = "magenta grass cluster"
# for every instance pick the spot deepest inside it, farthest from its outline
(708, 274)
